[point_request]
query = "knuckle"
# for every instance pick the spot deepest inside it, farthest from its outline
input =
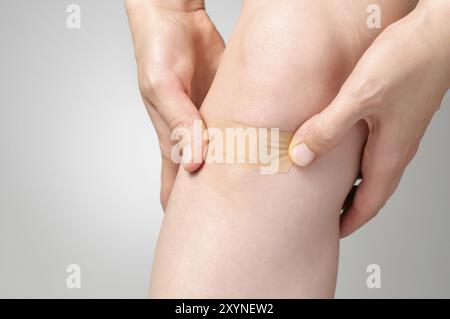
(323, 134)
(179, 121)
(373, 212)
(388, 166)
(394, 164)
(369, 206)
(151, 83)
(371, 200)
(366, 93)
(377, 202)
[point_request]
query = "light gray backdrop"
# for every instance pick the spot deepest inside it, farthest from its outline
(79, 168)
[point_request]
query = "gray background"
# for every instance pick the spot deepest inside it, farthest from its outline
(79, 168)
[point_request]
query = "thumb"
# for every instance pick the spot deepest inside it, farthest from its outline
(184, 121)
(187, 118)
(322, 132)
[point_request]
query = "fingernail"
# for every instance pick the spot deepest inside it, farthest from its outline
(302, 155)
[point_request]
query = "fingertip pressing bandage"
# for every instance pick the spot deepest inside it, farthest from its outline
(265, 149)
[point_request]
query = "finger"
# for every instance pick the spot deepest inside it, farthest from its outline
(370, 197)
(179, 113)
(351, 195)
(168, 174)
(349, 199)
(321, 133)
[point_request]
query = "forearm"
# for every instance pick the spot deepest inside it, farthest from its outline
(432, 17)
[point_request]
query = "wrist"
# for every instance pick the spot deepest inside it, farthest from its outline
(434, 15)
(178, 5)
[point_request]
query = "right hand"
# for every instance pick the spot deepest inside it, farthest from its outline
(177, 50)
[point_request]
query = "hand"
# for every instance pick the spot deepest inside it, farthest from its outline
(396, 87)
(177, 50)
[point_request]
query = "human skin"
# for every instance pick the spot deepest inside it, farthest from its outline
(177, 50)
(396, 87)
(231, 232)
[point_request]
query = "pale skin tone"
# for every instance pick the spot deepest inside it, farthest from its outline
(396, 88)
(243, 234)
(178, 50)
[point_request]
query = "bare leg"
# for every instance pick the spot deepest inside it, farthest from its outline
(232, 232)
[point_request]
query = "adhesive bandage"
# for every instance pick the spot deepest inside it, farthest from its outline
(266, 149)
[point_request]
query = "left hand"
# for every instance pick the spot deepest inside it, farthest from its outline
(396, 87)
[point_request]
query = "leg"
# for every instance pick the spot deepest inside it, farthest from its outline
(232, 232)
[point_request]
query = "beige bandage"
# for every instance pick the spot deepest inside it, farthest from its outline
(265, 149)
